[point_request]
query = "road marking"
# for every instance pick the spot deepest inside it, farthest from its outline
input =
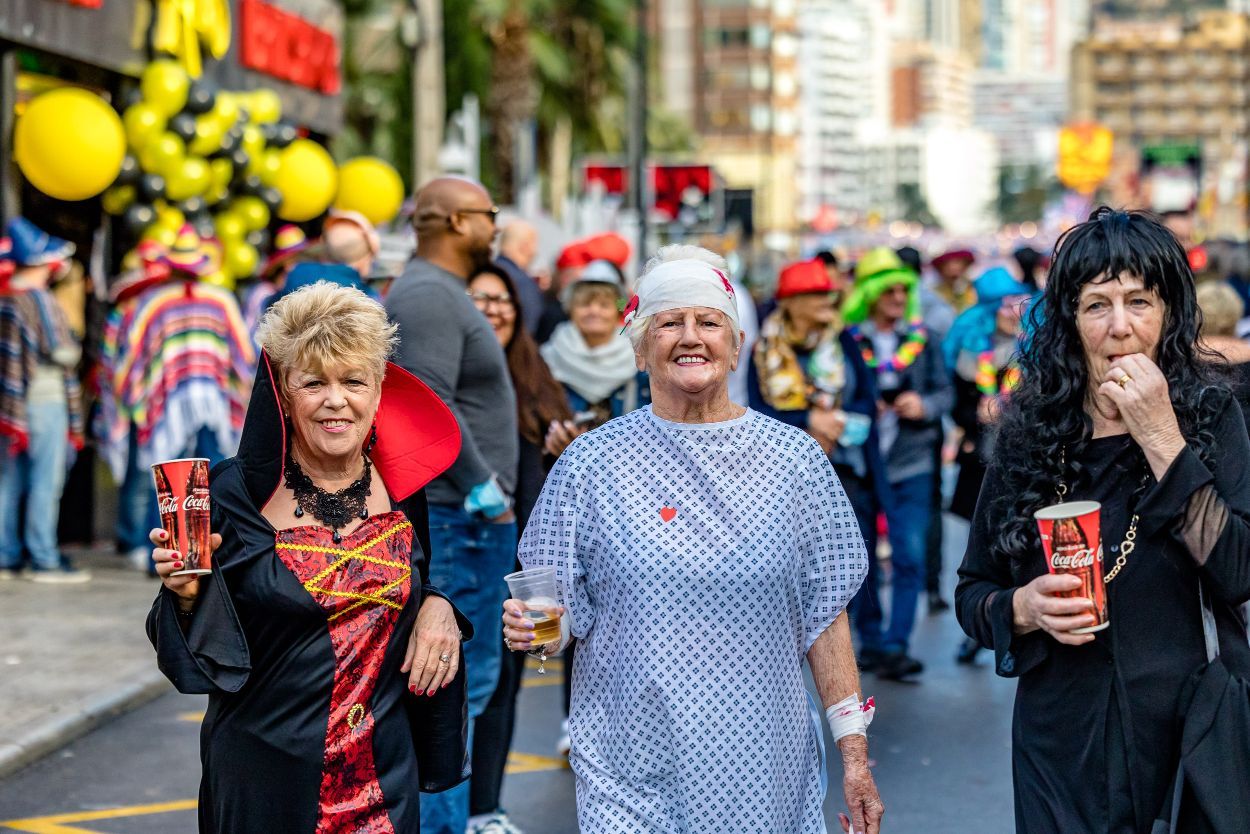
(530, 763)
(56, 824)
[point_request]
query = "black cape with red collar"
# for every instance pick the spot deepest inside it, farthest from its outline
(259, 645)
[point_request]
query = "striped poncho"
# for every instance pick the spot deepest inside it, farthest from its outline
(177, 358)
(34, 331)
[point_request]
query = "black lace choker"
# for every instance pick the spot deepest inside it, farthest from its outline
(333, 509)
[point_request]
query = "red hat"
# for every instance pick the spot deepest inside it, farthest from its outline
(7, 264)
(804, 277)
(955, 254)
(574, 255)
(142, 267)
(608, 246)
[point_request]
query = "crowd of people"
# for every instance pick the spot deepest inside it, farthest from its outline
(638, 433)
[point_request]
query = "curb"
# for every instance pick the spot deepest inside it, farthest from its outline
(79, 720)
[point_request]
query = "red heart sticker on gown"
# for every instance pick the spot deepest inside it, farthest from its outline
(668, 514)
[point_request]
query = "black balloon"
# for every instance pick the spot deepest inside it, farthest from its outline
(183, 126)
(203, 224)
(192, 205)
(258, 239)
(130, 171)
(137, 218)
(272, 197)
(202, 96)
(282, 134)
(252, 185)
(229, 143)
(152, 187)
(239, 158)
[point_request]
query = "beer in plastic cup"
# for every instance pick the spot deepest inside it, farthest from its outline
(536, 588)
(182, 496)
(1072, 542)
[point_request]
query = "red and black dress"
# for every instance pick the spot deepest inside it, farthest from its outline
(298, 642)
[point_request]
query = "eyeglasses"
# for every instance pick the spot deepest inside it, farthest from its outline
(483, 300)
(493, 212)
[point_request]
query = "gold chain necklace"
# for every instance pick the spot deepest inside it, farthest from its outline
(1130, 538)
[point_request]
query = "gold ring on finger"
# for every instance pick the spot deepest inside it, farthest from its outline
(444, 658)
(1124, 380)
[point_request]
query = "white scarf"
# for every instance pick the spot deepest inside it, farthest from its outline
(593, 373)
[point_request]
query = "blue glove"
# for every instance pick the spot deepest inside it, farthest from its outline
(487, 498)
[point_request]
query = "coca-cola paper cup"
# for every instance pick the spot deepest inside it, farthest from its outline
(182, 495)
(1072, 543)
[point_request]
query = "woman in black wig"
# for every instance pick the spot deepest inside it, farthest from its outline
(1115, 405)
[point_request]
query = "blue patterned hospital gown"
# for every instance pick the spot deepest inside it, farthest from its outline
(698, 563)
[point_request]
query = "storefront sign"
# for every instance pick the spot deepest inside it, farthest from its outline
(284, 45)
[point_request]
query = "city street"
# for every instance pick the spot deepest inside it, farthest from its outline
(940, 747)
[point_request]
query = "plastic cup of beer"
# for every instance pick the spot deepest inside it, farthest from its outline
(182, 497)
(536, 588)
(1072, 543)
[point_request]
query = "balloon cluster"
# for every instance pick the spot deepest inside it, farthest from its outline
(207, 157)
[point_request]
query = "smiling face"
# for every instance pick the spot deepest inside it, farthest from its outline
(689, 350)
(593, 312)
(490, 295)
(892, 304)
(1116, 318)
(331, 413)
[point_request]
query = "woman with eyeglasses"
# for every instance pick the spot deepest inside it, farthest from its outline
(541, 403)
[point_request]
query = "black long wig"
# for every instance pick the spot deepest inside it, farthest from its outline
(1045, 422)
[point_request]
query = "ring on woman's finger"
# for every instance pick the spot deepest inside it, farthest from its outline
(444, 658)
(1124, 380)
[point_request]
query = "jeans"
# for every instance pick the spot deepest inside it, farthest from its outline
(909, 526)
(137, 513)
(38, 476)
(470, 558)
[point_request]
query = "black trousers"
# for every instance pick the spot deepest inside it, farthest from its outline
(933, 540)
(492, 737)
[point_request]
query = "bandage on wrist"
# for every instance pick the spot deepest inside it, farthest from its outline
(850, 717)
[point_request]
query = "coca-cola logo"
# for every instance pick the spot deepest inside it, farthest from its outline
(169, 504)
(1066, 558)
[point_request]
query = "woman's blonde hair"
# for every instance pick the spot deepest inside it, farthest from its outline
(326, 325)
(1221, 308)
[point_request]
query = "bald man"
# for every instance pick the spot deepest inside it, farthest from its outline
(518, 246)
(446, 342)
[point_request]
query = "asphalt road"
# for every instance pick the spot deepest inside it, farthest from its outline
(941, 748)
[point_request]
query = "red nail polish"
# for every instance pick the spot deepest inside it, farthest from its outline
(412, 687)
(446, 685)
(430, 693)
(177, 565)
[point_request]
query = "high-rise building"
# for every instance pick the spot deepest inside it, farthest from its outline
(730, 68)
(931, 85)
(841, 56)
(1174, 86)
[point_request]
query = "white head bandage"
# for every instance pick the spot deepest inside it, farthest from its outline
(683, 283)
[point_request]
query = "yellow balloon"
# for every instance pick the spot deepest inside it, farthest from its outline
(163, 235)
(208, 134)
(70, 144)
(230, 228)
(220, 278)
(264, 106)
(164, 84)
(241, 259)
(253, 211)
(307, 179)
(370, 186)
(253, 142)
(191, 179)
(118, 198)
(163, 155)
(225, 109)
(222, 172)
(269, 167)
(142, 124)
(169, 217)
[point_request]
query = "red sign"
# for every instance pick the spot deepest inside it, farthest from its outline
(86, 4)
(286, 46)
(613, 178)
(675, 185)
